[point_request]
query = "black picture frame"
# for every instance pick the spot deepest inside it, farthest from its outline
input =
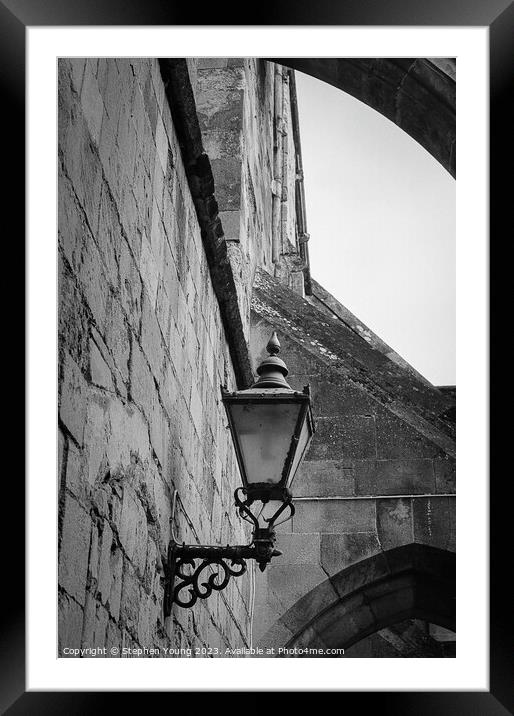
(498, 15)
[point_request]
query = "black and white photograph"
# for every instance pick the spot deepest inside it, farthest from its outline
(256, 357)
(257, 268)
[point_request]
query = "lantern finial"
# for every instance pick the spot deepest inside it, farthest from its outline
(272, 371)
(273, 346)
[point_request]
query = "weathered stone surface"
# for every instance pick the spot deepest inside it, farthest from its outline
(405, 91)
(432, 520)
(397, 440)
(155, 315)
(70, 624)
(136, 304)
(332, 397)
(72, 402)
(95, 623)
(74, 553)
(445, 475)
(299, 593)
(325, 478)
(334, 516)
(395, 522)
(133, 532)
(394, 477)
(130, 598)
(355, 576)
(339, 551)
(339, 625)
(344, 438)
(299, 548)
(100, 372)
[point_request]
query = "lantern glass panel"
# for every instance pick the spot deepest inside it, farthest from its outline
(303, 444)
(264, 432)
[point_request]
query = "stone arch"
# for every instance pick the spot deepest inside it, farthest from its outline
(416, 94)
(412, 581)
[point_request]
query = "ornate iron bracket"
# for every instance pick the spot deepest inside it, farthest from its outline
(187, 565)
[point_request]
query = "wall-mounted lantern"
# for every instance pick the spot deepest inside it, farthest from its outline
(271, 426)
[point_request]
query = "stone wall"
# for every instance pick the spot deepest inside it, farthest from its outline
(178, 213)
(380, 471)
(142, 353)
(244, 110)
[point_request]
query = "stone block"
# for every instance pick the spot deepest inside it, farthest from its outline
(433, 520)
(332, 516)
(146, 620)
(130, 598)
(95, 439)
(445, 475)
(71, 224)
(149, 270)
(70, 624)
(77, 65)
(109, 237)
(73, 317)
(396, 439)
(100, 372)
(276, 636)
(159, 433)
(127, 436)
(299, 548)
(74, 549)
(299, 594)
(73, 397)
(231, 222)
(343, 438)
(117, 338)
(339, 551)
(394, 477)
(130, 285)
(81, 161)
(133, 531)
(94, 281)
(211, 62)
(74, 471)
(151, 339)
(366, 571)
(113, 639)
(395, 522)
(324, 478)
(309, 638)
(163, 310)
(344, 622)
(391, 600)
(335, 395)
(161, 143)
(95, 623)
(110, 572)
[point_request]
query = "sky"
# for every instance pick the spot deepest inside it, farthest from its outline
(381, 219)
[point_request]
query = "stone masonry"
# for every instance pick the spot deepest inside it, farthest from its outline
(142, 354)
(181, 245)
(380, 472)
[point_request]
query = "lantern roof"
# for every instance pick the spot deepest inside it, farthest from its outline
(272, 371)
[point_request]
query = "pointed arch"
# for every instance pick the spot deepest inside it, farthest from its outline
(412, 581)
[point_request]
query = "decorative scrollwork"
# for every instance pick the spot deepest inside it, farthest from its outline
(215, 582)
(186, 580)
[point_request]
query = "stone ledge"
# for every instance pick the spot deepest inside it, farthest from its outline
(179, 94)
